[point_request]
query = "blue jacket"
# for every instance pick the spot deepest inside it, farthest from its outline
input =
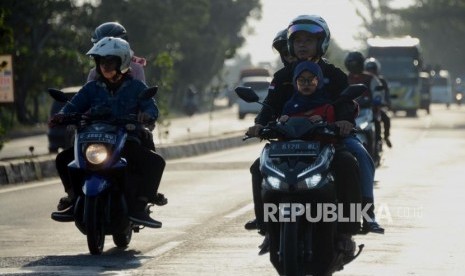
(123, 102)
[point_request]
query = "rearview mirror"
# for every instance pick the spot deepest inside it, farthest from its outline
(247, 94)
(148, 93)
(57, 95)
(354, 91)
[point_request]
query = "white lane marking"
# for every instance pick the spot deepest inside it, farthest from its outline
(240, 211)
(23, 186)
(161, 250)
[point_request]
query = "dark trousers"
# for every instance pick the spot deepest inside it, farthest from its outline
(257, 180)
(348, 189)
(386, 122)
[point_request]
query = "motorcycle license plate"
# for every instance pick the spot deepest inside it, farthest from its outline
(278, 149)
(97, 137)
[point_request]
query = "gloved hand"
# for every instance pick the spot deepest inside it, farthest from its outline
(253, 131)
(345, 127)
(144, 117)
(56, 120)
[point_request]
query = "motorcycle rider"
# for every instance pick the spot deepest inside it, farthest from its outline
(115, 29)
(373, 66)
(308, 39)
(310, 100)
(354, 64)
(115, 87)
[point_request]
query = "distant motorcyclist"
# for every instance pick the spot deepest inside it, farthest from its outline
(117, 89)
(373, 66)
(190, 104)
(354, 63)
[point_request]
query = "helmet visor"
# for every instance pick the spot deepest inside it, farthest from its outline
(310, 28)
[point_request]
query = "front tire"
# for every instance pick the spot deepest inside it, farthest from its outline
(123, 239)
(94, 226)
(291, 257)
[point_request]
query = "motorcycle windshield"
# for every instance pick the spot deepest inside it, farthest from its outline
(295, 128)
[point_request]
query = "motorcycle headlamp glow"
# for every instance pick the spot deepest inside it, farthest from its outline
(96, 154)
(313, 180)
(274, 182)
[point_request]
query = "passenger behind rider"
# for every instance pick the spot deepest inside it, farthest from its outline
(311, 101)
(115, 29)
(373, 66)
(115, 87)
(308, 39)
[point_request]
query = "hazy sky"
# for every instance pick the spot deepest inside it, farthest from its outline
(276, 15)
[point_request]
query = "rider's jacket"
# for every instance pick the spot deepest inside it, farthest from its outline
(124, 101)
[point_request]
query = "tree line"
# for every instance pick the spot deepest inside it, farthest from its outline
(185, 43)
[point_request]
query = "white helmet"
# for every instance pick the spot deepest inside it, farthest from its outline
(313, 24)
(113, 46)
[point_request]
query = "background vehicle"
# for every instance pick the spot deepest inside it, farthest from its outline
(260, 85)
(441, 87)
(245, 73)
(59, 137)
(425, 91)
(459, 90)
(401, 64)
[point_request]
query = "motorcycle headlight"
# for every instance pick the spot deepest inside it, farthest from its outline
(96, 154)
(274, 182)
(313, 180)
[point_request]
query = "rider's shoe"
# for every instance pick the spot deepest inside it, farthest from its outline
(65, 215)
(251, 225)
(64, 203)
(388, 142)
(140, 215)
(371, 227)
(265, 246)
(160, 200)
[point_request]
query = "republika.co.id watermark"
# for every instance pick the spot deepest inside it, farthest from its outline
(332, 212)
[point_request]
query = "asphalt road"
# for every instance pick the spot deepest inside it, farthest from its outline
(419, 195)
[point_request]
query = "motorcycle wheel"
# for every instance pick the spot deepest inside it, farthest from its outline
(291, 257)
(123, 239)
(94, 226)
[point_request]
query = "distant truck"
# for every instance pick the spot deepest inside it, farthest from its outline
(401, 65)
(441, 88)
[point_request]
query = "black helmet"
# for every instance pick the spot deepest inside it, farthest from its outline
(280, 41)
(107, 29)
(372, 65)
(354, 62)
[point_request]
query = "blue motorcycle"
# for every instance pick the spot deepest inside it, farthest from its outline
(102, 174)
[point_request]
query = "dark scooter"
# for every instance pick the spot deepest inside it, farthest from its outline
(296, 171)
